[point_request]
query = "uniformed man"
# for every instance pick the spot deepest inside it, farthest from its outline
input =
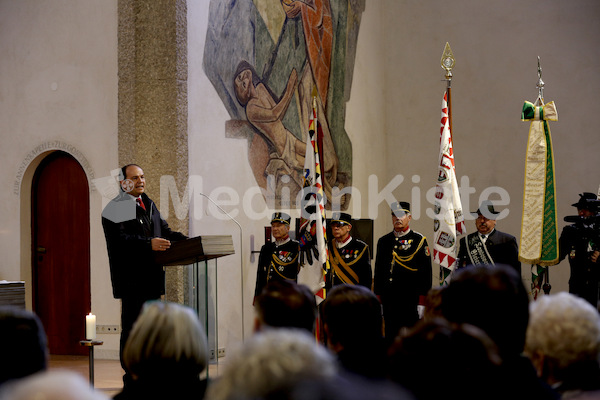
(488, 246)
(580, 241)
(349, 258)
(278, 260)
(403, 272)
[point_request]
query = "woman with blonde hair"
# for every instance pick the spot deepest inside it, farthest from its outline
(165, 354)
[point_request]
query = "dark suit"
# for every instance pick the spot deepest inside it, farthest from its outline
(135, 277)
(502, 248)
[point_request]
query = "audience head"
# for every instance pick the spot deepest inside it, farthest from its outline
(285, 304)
(563, 337)
(25, 349)
(51, 385)
(461, 352)
(271, 365)
(353, 328)
(494, 299)
(352, 317)
(166, 339)
(433, 303)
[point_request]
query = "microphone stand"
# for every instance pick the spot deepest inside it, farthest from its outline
(241, 256)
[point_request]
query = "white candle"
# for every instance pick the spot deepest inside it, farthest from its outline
(90, 327)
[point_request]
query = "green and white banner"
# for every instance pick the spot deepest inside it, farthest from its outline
(539, 235)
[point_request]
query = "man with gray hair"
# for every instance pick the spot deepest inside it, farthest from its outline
(402, 272)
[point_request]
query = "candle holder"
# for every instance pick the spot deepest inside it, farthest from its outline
(91, 344)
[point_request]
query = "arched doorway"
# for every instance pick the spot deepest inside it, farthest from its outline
(61, 251)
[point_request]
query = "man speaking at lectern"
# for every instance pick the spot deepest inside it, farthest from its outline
(134, 230)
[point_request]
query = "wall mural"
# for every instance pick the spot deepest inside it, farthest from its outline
(264, 58)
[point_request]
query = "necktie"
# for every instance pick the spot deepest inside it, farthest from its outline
(140, 203)
(483, 238)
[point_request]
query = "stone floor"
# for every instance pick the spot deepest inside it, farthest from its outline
(108, 374)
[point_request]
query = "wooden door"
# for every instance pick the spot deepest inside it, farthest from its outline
(61, 251)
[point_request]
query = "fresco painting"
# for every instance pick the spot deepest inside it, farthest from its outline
(264, 59)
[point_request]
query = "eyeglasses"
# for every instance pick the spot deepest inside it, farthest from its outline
(337, 224)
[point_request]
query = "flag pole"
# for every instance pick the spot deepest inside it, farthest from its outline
(447, 63)
(546, 287)
(448, 90)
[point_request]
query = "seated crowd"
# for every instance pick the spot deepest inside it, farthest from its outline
(480, 337)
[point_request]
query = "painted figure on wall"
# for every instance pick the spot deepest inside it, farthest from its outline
(296, 46)
(265, 113)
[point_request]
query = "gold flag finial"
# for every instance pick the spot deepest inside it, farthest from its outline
(447, 61)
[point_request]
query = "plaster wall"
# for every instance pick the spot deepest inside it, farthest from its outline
(58, 80)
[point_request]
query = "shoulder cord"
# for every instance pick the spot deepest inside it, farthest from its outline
(402, 260)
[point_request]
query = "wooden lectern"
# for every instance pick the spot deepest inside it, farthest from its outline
(196, 249)
(198, 256)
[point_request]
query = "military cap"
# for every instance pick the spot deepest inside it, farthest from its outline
(341, 218)
(399, 208)
(281, 217)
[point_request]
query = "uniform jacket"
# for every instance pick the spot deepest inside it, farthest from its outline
(355, 254)
(133, 271)
(400, 285)
(501, 246)
(277, 263)
(577, 243)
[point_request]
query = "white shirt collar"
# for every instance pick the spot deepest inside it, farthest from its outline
(282, 241)
(486, 235)
(400, 234)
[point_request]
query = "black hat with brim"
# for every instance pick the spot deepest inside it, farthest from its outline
(341, 218)
(587, 201)
(486, 209)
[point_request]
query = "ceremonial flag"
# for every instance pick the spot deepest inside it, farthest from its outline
(539, 234)
(449, 222)
(313, 234)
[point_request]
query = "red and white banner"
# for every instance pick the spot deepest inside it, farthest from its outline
(313, 226)
(449, 222)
